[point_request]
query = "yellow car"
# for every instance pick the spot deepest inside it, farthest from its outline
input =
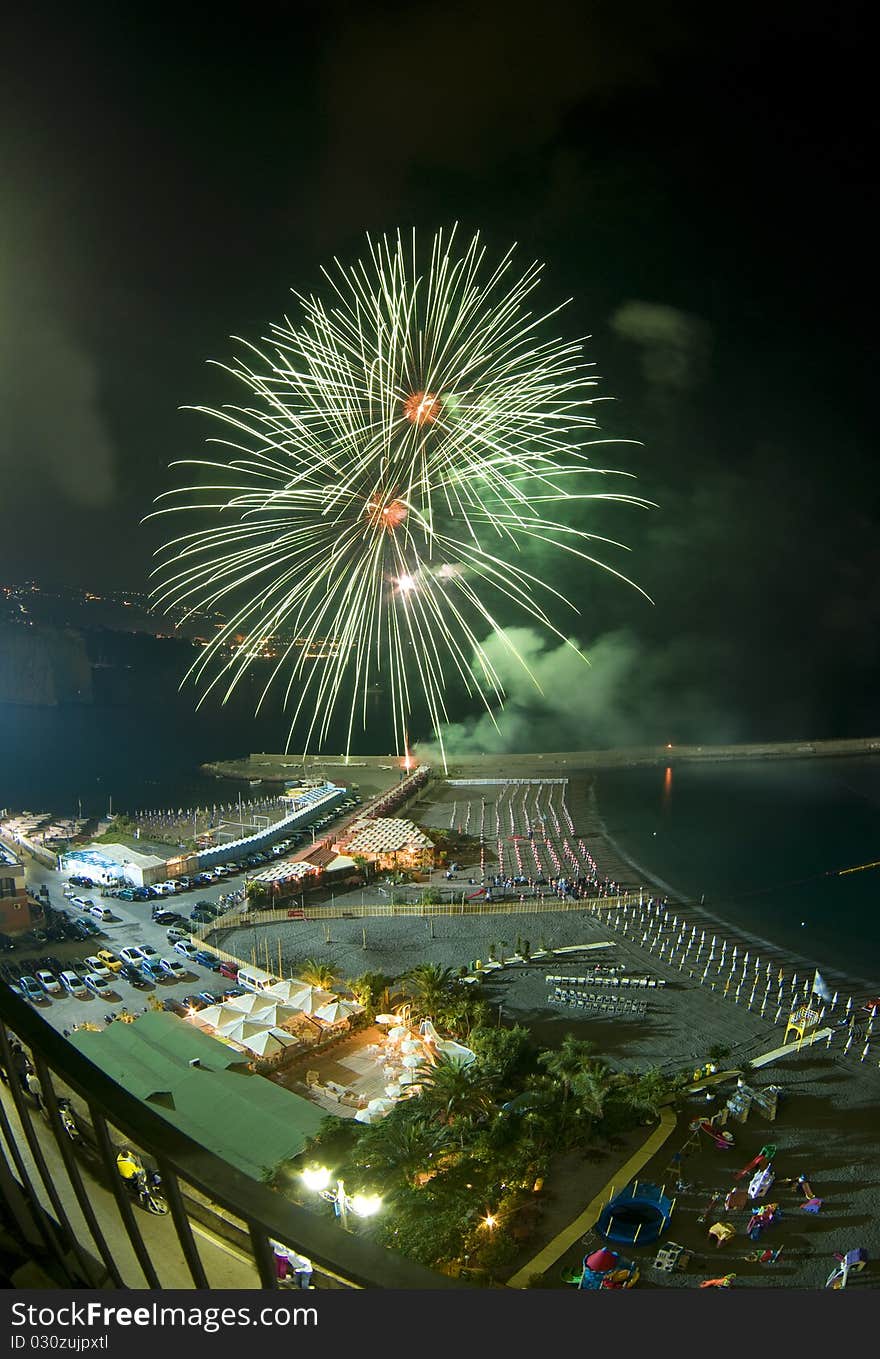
(109, 959)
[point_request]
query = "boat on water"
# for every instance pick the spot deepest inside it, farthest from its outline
(254, 783)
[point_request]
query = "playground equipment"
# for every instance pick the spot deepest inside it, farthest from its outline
(765, 1257)
(724, 1282)
(637, 1215)
(672, 1256)
(709, 1206)
(721, 1232)
(762, 1218)
(852, 1263)
(455, 1052)
(605, 1269)
(720, 1136)
(764, 1156)
(761, 1182)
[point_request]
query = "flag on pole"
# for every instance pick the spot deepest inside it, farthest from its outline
(820, 987)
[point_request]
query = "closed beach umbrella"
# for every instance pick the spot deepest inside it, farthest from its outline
(411, 1045)
(386, 1019)
(412, 1061)
(398, 1032)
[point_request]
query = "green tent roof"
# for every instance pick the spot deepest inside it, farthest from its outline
(237, 1114)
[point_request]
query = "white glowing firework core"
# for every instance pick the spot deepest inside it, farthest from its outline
(342, 467)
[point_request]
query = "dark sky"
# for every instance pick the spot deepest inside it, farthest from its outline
(700, 181)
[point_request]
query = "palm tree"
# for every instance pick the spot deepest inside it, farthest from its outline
(645, 1092)
(454, 1093)
(567, 1061)
(372, 990)
(315, 973)
(429, 985)
(401, 1146)
(591, 1087)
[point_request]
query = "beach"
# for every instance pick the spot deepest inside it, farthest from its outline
(826, 1123)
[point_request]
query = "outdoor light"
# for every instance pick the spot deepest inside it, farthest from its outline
(489, 1221)
(316, 1178)
(365, 1205)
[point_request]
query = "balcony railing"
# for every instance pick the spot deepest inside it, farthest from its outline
(84, 1236)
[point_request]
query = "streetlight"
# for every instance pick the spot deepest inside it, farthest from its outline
(317, 1178)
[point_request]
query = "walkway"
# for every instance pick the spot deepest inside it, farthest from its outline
(588, 1218)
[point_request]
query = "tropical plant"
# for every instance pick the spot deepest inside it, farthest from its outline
(400, 1146)
(429, 985)
(372, 990)
(501, 1053)
(315, 973)
(591, 1088)
(256, 891)
(568, 1061)
(453, 1093)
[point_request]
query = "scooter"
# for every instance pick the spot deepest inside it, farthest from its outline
(144, 1185)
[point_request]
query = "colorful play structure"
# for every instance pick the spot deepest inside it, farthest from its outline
(605, 1269)
(852, 1263)
(637, 1215)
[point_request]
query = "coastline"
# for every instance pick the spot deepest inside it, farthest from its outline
(610, 855)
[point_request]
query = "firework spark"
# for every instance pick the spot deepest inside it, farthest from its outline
(399, 449)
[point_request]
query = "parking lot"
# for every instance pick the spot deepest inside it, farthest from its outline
(116, 942)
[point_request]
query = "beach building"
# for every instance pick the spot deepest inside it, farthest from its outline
(389, 842)
(204, 1087)
(15, 910)
(111, 863)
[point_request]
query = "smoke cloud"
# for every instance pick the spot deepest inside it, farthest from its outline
(624, 694)
(51, 423)
(674, 345)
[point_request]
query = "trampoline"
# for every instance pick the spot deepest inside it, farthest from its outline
(638, 1215)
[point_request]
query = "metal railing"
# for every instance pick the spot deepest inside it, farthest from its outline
(50, 1195)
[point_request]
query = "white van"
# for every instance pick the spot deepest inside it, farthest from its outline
(101, 912)
(255, 979)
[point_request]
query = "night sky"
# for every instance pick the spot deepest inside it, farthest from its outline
(700, 183)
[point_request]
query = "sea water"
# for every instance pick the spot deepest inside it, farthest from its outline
(762, 844)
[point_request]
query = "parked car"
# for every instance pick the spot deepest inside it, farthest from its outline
(101, 912)
(135, 976)
(211, 997)
(152, 971)
(147, 951)
(97, 967)
(84, 903)
(230, 969)
(174, 968)
(186, 949)
(194, 1003)
(32, 990)
(99, 986)
(49, 982)
(91, 928)
(175, 1007)
(126, 894)
(73, 986)
(109, 959)
(6, 943)
(207, 959)
(175, 933)
(131, 954)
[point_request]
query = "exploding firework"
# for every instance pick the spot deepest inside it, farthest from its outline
(400, 446)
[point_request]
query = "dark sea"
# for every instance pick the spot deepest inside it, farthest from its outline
(762, 844)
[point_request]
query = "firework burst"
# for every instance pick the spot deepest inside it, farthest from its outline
(400, 446)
